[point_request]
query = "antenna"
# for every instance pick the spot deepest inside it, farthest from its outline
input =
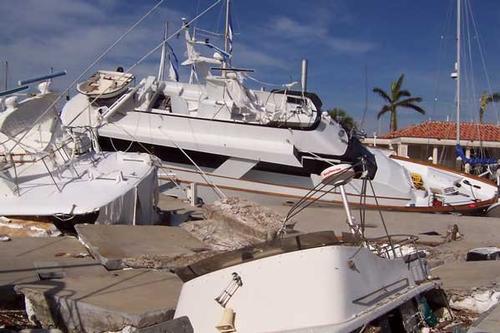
(6, 80)
(366, 96)
(459, 24)
(41, 78)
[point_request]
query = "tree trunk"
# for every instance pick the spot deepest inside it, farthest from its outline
(394, 121)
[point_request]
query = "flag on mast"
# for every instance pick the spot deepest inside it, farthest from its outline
(173, 69)
(229, 30)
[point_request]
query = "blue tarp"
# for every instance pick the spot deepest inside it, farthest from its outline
(475, 160)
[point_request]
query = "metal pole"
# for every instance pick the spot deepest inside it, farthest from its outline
(354, 230)
(459, 24)
(6, 80)
(226, 36)
(303, 76)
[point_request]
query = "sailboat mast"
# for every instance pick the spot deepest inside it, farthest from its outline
(226, 33)
(459, 26)
(161, 69)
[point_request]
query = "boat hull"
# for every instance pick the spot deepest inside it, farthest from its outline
(272, 186)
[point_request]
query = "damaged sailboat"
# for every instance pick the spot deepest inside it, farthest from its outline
(47, 170)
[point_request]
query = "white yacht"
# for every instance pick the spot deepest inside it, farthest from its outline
(216, 132)
(49, 171)
(317, 282)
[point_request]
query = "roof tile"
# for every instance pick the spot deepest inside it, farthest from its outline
(447, 130)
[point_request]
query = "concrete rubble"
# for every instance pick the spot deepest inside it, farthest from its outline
(478, 301)
(234, 223)
(17, 227)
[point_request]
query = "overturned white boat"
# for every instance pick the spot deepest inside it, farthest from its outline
(48, 171)
(314, 282)
(272, 145)
(105, 84)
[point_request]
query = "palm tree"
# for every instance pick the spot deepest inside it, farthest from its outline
(343, 118)
(484, 101)
(394, 101)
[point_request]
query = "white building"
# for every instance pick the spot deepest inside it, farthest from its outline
(436, 140)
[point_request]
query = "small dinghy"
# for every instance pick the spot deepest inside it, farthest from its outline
(105, 84)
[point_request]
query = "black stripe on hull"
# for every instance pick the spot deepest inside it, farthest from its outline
(208, 160)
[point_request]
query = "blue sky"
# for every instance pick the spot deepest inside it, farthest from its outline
(339, 37)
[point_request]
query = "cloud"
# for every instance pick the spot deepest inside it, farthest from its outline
(70, 34)
(317, 32)
(251, 57)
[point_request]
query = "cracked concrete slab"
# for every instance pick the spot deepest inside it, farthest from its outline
(25, 260)
(137, 298)
(121, 246)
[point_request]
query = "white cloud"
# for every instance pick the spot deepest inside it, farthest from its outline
(70, 34)
(317, 32)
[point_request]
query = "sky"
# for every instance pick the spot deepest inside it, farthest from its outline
(351, 45)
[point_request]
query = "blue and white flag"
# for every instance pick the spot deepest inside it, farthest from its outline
(173, 68)
(229, 30)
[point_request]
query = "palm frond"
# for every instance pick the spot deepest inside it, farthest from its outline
(385, 108)
(495, 97)
(410, 100)
(399, 83)
(382, 94)
(403, 93)
(414, 107)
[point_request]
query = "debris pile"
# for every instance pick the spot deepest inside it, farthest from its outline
(12, 227)
(234, 223)
(478, 302)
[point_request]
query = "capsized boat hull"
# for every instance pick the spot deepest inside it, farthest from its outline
(335, 288)
(107, 183)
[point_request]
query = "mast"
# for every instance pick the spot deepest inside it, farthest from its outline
(459, 24)
(161, 69)
(227, 34)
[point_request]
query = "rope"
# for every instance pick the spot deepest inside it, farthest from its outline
(172, 35)
(306, 201)
(481, 55)
(382, 219)
(263, 82)
(214, 187)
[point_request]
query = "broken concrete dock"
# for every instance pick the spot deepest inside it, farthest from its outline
(109, 301)
(122, 246)
(117, 277)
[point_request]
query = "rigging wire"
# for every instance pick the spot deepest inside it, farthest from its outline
(216, 189)
(91, 66)
(482, 57)
(442, 50)
(171, 36)
(447, 29)
(382, 219)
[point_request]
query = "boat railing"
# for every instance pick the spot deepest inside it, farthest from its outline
(15, 160)
(400, 246)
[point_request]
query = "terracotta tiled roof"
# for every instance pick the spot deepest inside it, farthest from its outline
(447, 130)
